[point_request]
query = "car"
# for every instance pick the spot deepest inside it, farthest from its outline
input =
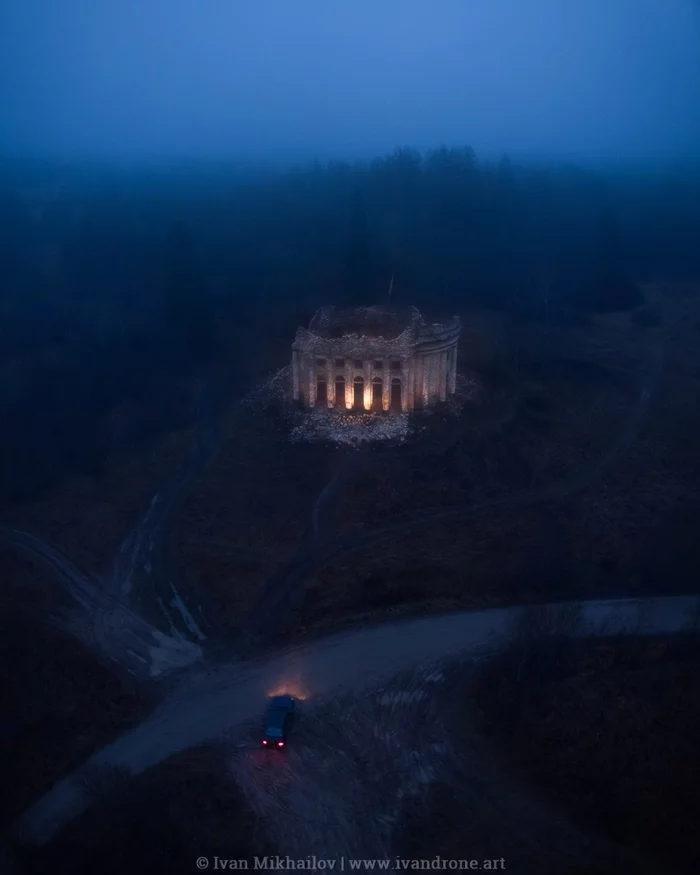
(278, 721)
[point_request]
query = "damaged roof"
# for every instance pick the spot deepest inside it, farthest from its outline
(378, 321)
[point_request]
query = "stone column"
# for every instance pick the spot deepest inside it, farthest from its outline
(420, 380)
(453, 375)
(442, 363)
(330, 377)
(295, 373)
(386, 384)
(349, 385)
(311, 371)
(411, 380)
(367, 373)
(404, 386)
(428, 377)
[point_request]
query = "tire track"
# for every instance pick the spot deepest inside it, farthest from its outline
(100, 620)
(141, 568)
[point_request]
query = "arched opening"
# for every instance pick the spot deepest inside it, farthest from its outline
(340, 392)
(321, 393)
(377, 386)
(359, 396)
(396, 395)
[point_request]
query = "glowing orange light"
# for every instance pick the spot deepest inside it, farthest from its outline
(291, 686)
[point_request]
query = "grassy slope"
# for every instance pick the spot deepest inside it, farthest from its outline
(607, 729)
(162, 821)
(630, 532)
(58, 705)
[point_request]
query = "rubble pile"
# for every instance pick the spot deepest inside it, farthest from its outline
(275, 390)
(338, 427)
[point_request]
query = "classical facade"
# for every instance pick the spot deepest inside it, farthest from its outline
(374, 358)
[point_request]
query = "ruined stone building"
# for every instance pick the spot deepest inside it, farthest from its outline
(374, 358)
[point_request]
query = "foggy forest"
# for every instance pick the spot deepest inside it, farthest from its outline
(112, 281)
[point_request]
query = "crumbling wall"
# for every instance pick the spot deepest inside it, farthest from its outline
(427, 356)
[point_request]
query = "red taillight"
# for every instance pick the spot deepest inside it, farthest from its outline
(264, 741)
(280, 744)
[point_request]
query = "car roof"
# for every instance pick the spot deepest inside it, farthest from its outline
(286, 702)
(276, 719)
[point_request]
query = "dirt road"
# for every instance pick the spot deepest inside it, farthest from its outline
(208, 705)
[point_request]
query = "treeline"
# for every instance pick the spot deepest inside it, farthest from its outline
(105, 320)
(117, 285)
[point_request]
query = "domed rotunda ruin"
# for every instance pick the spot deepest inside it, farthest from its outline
(379, 358)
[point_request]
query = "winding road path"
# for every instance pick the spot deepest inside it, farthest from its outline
(206, 706)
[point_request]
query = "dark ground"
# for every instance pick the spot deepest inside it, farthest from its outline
(606, 731)
(626, 528)
(160, 822)
(559, 409)
(59, 705)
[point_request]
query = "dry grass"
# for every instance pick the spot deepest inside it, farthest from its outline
(606, 729)
(248, 515)
(627, 532)
(550, 420)
(162, 821)
(442, 825)
(87, 519)
(59, 705)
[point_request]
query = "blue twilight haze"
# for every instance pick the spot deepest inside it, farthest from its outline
(592, 80)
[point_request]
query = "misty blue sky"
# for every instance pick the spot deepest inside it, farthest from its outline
(580, 79)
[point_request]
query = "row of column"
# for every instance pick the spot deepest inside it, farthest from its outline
(423, 379)
(349, 375)
(432, 376)
(349, 400)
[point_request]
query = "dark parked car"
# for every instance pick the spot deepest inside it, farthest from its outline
(278, 721)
